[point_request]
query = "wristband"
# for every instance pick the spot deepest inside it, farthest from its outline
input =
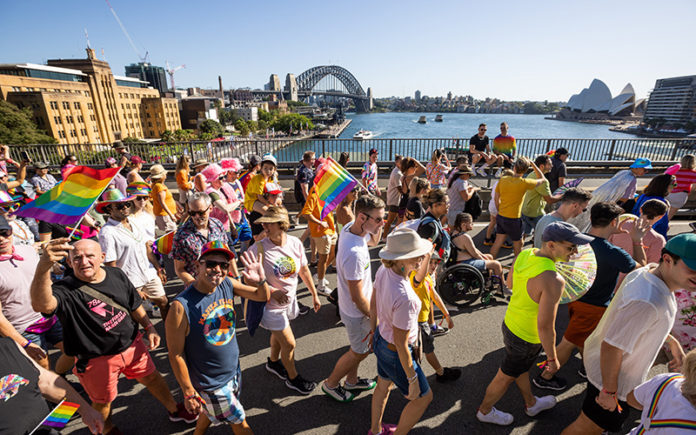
(412, 378)
(148, 326)
(551, 359)
(604, 390)
(261, 283)
(27, 344)
(191, 396)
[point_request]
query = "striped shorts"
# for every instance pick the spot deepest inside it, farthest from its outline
(223, 405)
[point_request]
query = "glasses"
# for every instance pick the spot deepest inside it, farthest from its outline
(6, 233)
(199, 212)
(377, 219)
(141, 198)
(9, 208)
(123, 205)
(482, 129)
(212, 264)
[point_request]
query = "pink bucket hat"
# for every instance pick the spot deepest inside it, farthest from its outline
(231, 164)
(212, 172)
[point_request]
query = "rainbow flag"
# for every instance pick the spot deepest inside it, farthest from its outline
(61, 415)
(164, 244)
(332, 183)
(68, 201)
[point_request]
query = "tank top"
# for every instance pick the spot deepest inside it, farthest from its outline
(522, 311)
(211, 350)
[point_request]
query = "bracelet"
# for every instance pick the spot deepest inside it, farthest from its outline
(604, 390)
(148, 326)
(551, 359)
(412, 378)
(261, 283)
(191, 396)
(27, 344)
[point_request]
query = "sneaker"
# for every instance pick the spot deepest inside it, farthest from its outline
(496, 417)
(448, 375)
(482, 172)
(387, 429)
(182, 414)
(555, 383)
(362, 385)
(300, 385)
(507, 245)
(498, 172)
(304, 309)
(582, 373)
(339, 394)
(156, 313)
(439, 330)
(542, 404)
(277, 368)
(488, 242)
(323, 288)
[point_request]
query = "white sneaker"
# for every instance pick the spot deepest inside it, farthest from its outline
(323, 288)
(482, 172)
(498, 172)
(496, 417)
(542, 404)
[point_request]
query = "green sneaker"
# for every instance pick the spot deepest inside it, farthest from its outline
(339, 393)
(362, 385)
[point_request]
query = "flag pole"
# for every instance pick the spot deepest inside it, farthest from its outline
(97, 199)
(351, 176)
(44, 419)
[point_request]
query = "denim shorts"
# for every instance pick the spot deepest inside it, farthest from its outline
(475, 262)
(48, 338)
(520, 355)
(389, 367)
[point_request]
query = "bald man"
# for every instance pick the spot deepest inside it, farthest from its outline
(100, 311)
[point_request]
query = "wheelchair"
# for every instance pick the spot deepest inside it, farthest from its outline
(462, 284)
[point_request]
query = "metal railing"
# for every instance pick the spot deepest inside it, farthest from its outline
(289, 151)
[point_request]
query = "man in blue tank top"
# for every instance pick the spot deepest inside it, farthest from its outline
(201, 337)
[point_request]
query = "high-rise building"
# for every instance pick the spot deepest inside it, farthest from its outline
(82, 101)
(154, 75)
(418, 96)
(673, 100)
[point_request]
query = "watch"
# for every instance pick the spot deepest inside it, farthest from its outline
(261, 283)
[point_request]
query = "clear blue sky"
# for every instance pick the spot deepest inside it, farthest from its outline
(512, 50)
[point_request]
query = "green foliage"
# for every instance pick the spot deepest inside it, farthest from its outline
(253, 125)
(263, 125)
(167, 136)
(241, 126)
(296, 104)
(183, 135)
(534, 107)
(228, 116)
(211, 126)
(132, 139)
(17, 126)
(265, 116)
(297, 121)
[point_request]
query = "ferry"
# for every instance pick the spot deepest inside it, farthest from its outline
(422, 120)
(438, 118)
(363, 134)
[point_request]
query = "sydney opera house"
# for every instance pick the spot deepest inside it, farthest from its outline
(596, 102)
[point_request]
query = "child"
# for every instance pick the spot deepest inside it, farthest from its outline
(424, 285)
(467, 252)
(254, 201)
(417, 189)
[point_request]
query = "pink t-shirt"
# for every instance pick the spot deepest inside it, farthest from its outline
(281, 265)
(653, 243)
(398, 305)
(685, 178)
(15, 280)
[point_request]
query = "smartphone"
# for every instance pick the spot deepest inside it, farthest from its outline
(25, 156)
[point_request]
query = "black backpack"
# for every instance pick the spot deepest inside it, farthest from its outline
(473, 206)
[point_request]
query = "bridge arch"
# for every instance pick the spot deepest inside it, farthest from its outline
(309, 79)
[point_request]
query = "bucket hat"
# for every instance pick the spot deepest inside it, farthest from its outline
(274, 215)
(403, 244)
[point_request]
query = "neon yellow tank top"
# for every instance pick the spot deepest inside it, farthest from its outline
(522, 311)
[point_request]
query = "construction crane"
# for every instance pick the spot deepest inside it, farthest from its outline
(171, 72)
(143, 59)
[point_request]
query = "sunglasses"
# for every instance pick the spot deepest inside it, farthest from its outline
(212, 264)
(141, 198)
(199, 213)
(377, 219)
(6, 233)
(9, 208)
(123, 205)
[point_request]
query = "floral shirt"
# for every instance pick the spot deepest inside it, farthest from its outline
(188, 242)
(44, 184)
(684, 328)
(437, 174)
(369, 173)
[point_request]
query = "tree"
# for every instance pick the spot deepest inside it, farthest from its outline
(132, 139)
(265, 116)
(263, 125)
(242, 127)
(295, 120)
(253, 126)
(211, 126)
(183, 135)
(167, 136)
(17, 126)
(228, 116)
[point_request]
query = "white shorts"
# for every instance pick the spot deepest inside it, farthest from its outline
(153, 289)
(491, 208)
(275, 319)
(678, 199)
(358, 330)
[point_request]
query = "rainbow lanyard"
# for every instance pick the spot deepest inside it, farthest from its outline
(674, 423)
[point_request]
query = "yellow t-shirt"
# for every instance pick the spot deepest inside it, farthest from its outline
(253, 190)
(424, 292)
(312, 207)
(511, 191)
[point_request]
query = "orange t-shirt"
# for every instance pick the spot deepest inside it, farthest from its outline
(312, 207)
(168, 200)
(183, 180)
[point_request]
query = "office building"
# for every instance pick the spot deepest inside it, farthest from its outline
(154, 75)
(673, 100)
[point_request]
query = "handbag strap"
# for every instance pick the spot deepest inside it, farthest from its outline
(102, 297)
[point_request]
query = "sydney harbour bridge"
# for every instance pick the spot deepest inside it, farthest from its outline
(327, 80)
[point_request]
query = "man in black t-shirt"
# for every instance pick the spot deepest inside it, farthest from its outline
(98, 308)
(558, 172)
(480, 149)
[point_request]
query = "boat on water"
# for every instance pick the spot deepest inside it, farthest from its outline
(422, 120)
(438, 118)
(363, 134)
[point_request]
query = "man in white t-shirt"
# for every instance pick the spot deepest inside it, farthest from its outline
(623, 347)
(354, 293)
(124, 244)
(394, 192)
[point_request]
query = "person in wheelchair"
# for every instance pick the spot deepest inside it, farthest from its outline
(465, 250)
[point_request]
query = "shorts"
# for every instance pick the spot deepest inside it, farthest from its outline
(520, 355)
(51, 337)
(393, 208)
(389, 367)
(426, 336)
(584, 318)
(243, 231)
(100, 378)
(677, 199)
(223, 405)
(358, 330)
(529, 223)
(492, 208)
(510, 226)
(256, 229)
(325, 242)
(278, 319)
(475, 262)
(609, 421)
(153, 289)
(165, 223)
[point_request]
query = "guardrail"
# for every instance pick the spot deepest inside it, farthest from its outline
(289, 151)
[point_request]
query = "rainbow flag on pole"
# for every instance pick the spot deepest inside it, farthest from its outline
(332, 183)
(60, 416)
(164, 244)
(68, 201)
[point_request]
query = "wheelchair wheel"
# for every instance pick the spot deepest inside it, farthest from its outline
(460, 285)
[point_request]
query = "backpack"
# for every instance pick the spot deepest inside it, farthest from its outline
(473, 206)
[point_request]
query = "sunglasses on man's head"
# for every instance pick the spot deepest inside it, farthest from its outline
(6, 233)
(212, 264)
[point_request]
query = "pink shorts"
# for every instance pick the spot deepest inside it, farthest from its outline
(100, 379)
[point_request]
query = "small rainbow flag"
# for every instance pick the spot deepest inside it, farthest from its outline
(332, 183)
(68, 201)
(164, 244)
(61, 414)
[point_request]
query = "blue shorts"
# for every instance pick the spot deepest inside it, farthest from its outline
(50, 337)
(475, 262)
(389, 367)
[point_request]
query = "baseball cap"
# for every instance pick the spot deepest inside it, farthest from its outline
(273, 188)
(110, 161)
(642, 163)
(269, 158)
(216, 246)
(136, 160)
(373, 151)
(564, 232)
(561, 151)
(684, 245)
(4, 225)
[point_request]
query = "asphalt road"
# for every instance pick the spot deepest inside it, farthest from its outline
(474, 346)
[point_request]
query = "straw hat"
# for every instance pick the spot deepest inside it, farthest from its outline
(405, 243)
(157, 171)
(200, 162)
(111, 196)
(274, 215)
